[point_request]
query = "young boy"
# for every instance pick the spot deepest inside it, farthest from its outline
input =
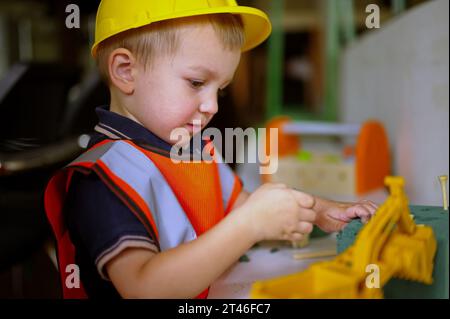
(129, 221)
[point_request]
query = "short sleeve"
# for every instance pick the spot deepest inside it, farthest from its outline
(100, 223)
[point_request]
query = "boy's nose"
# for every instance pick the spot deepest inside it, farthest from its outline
(210, 106)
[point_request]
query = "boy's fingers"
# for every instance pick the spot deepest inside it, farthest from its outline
(304, 228)
(371, 206)
(356, 211)
(365, 220)
(371, 209)
(307, 215)
(303, 199)
(361, 211)
(296, 237)
(335, 225)
(347, 216)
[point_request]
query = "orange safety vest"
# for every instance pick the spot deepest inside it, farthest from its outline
(175, 202)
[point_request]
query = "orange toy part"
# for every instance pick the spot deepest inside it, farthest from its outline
(288, 144)
(372, 157)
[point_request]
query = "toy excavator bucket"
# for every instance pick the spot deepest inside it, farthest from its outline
(413, 254)
(410, 248)
(322, 281)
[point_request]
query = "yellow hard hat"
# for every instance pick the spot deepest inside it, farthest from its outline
(116, 16)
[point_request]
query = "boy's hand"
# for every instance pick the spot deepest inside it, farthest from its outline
(276, 212)
(334, 216)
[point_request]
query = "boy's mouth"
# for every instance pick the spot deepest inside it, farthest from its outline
(194, 127)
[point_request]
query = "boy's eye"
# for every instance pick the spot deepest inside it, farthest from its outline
(196, 84)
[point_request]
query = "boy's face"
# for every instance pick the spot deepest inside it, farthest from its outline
(182, 88)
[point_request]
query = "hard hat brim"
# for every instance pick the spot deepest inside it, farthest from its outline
(257, 26)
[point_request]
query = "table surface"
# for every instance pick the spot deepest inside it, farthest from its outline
(237, 281)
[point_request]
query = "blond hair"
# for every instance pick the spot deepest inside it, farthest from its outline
(162, 38)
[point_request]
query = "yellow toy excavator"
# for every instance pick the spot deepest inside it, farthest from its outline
(390, 245)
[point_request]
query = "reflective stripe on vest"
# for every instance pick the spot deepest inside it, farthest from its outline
(138, 171)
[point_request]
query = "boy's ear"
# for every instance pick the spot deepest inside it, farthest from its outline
(121, 64)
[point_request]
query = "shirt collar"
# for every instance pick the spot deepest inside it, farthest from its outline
(116, 126)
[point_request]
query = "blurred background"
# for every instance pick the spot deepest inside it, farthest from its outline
(322, 65)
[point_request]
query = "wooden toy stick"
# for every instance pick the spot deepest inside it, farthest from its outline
(443, 179)
(315, 254)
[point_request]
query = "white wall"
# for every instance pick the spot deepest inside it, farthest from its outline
(399, 74)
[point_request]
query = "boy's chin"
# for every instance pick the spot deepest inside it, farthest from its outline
(182, 141)
(182, 136)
